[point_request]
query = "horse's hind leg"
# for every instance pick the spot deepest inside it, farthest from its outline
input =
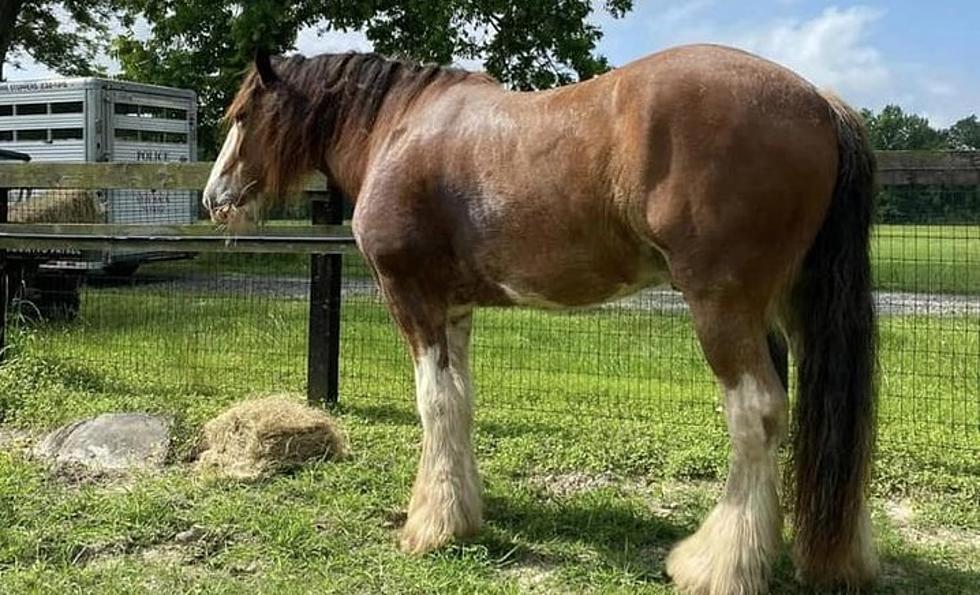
(445, 499)
(733, 550)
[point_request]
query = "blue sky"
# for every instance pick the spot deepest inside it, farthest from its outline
(923, 55)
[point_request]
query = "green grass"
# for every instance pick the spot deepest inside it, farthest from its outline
(274, 265)
(927, 258)
(913, 258)
(598, 436)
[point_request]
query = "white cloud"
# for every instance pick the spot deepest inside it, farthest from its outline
(832, 49)
(317, 40)
(835, 48)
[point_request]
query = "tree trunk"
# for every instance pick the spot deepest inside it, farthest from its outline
(9, 9)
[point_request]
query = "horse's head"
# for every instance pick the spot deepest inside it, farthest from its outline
(256, 158)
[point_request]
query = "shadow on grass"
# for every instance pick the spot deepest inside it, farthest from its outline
(635, 543)
(405, 415)
(623, 537)
(907, 573)
(379, 413)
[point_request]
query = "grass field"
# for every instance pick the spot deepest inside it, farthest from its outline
(927, 258)
(598, 434)
(914, 258)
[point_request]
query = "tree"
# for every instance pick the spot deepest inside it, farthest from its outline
(34, 28)
(207, 44)
(964, 135)
(893, 130)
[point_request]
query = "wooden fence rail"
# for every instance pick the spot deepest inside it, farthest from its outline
(158, 176)
(896, 168)
(318, 239)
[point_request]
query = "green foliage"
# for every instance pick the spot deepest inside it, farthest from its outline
(206, 44)
(964, 135)
(929, 205)
(36, 29)
(893, 130)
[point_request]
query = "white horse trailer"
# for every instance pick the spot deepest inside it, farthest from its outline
(93, 119)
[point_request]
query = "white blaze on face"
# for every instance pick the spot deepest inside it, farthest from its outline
(225, 184)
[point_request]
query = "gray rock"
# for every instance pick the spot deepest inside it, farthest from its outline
(191, 535)
(109, 442)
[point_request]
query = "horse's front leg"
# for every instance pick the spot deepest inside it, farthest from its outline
(446, 496)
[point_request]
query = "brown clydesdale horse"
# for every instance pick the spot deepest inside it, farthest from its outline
(725, 174)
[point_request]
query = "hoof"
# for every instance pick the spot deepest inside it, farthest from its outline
(421, 540)
(727, 556)
(438, 516)
(424, 533)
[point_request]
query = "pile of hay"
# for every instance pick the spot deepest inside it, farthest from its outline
(57, 206)
(264, 436)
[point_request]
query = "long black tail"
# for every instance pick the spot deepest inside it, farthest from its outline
(834, 422)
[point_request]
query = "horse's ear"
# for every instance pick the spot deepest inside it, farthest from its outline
(263, 65)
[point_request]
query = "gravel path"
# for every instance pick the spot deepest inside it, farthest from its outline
(888, 303)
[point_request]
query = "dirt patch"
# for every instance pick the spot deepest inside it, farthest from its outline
(186, 548)
(565, 485)
(902, 515)
(73, 475)
(165, 555)
(532, 575)
(945, 537)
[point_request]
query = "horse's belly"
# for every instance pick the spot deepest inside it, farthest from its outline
(582, 283)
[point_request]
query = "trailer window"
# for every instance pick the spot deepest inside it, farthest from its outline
(6, 110)
(6, 136)
(175, 114)
(67, 134)
(152, 111)
(127, 109)
(32, 135)
(177, 138)
(66, 107)
(151, 136)
(127, 134)
(32, 109)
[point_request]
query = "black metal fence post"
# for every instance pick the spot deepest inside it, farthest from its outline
(323, 350)
(4, 273)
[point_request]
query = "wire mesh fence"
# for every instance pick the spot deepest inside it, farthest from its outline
(236, 324)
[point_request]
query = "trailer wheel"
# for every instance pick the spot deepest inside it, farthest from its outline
(58, 296)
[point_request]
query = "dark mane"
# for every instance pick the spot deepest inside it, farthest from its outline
(323, 98)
